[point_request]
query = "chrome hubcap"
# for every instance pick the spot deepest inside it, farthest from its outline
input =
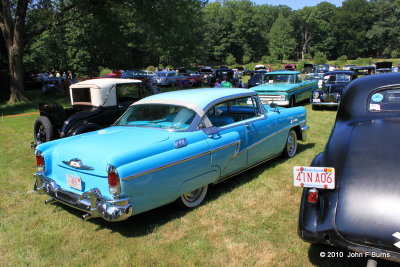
(192, 196)
(291, 144)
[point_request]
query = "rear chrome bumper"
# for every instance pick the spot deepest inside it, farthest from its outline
(90, 201)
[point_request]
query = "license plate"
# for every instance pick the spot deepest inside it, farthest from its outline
(317, 100)
(265, 102)
(74, 181)
(315, 177)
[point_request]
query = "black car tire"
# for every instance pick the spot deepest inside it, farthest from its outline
(194, 198)
(315, 107)
(42, 130)
(291, 144)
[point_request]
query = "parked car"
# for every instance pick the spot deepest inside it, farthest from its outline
(260, 67)
(166, 147)
(285, 88)
(308, 68)
(334, 82)
(348, 66)
(95, 104)
(224, 75)
(350, 196)
(256, 78)
(291, 67)
(363, 70)
(207, 74)
(322, 68)
(319, 77)
(194, 80)
(167, 78)
(144, 76)
(383, 67)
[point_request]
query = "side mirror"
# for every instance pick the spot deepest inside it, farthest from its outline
(273, 105)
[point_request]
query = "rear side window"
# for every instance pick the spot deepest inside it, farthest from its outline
(81, 96)
(384, 100)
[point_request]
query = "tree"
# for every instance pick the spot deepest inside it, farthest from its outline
(12, 25)
(281, 42)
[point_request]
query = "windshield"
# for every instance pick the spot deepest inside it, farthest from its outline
(170, 117)
(279, 78)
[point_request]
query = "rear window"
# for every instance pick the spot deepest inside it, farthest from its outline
(385, 100)
(81, 96)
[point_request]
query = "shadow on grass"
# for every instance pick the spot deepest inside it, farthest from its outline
(325, 256)
(148, 222)
(35, 97)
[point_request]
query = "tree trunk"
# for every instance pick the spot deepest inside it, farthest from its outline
(16, 72)
(13, 29)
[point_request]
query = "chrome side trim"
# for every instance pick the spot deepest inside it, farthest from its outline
(179, 161)
(272, 135)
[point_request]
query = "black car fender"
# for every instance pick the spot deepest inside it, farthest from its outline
(84, 128)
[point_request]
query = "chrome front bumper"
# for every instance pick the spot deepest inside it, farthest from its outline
(90, 201)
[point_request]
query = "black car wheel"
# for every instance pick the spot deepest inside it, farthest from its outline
(315, 107)
(194, 198)
(42, 130)
(291, 144)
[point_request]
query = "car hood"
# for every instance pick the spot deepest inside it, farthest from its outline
(114, 145)
(368, 210)
(335, 87)
(275, 87)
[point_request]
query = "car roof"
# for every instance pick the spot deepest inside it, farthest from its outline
(348, 72)
(285, 72)
(356, 95)
(199, 97)
(103, 82)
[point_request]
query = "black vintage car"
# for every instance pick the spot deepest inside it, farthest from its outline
(96, 104)
(224, 74)
(357, 206)
(256, 78)
(330, 93)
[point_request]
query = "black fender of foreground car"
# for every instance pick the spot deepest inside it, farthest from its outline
(84, 128)
(362, 213)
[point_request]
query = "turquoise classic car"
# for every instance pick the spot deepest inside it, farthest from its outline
(285, 88)
(165, 148)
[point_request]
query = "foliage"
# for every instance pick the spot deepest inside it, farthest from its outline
(281, 42)
(230, 59)
(83, 35)
(269, 60)
(151, 68)
(320, 58)
(104, 71)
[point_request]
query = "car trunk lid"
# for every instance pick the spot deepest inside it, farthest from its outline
(85, 157)
(368, 209)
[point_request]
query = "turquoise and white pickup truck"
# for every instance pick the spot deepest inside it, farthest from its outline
(285, 88)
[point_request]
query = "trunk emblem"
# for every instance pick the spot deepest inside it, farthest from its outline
(77, 164)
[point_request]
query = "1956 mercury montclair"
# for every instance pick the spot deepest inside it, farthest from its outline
(285, 88)
(164, 148)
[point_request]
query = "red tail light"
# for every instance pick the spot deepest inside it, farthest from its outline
(113, 180)
(39, 160)
(312, 196)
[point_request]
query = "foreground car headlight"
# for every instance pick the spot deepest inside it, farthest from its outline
(315, 95)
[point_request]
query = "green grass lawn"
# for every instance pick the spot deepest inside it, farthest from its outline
(249, 220)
